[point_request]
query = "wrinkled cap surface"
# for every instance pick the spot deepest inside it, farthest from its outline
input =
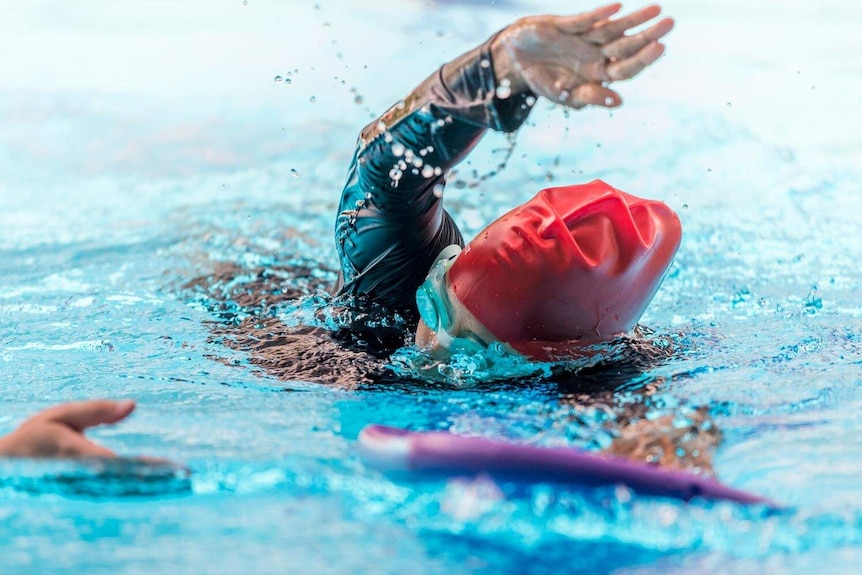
(574, 263)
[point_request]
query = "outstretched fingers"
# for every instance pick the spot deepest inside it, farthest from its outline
(584, 22)
(607, 32)
(630, 45)
(81, 415)
(630, 67)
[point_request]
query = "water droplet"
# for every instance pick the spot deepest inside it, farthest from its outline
(358, 99)
(294, 173)
(438, 191)
(531, 100)
(485, 63)
(398, 149)
(813, 87)
(729, 104)
(504, 90)
(564, 96)
(812, 302)
(427, 171)
(313, 99)
(740, 296)
(395, 174)
(245, 2)
(685, 206)
(709, 170)
(278, 78)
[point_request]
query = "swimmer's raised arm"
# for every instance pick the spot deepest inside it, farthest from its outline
(571, 59)
(58, 432)
(391, 223)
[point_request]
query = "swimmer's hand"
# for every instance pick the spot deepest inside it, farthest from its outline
(571, 59)
(58, 432)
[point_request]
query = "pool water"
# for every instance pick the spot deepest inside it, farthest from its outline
(143, 146)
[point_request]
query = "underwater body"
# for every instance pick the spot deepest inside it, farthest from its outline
(148, 188)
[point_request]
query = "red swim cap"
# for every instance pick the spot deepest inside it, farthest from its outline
(575, 264)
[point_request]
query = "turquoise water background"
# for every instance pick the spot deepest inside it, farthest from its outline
(142, 142)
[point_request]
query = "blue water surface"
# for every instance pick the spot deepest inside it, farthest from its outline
(146, 144)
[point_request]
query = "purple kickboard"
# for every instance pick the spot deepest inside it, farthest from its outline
(394, 449)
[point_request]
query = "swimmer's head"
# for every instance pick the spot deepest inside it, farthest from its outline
(572, 266)
(446, 326)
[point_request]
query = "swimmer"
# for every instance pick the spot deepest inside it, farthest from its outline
(575, 265)
(571, 266)
(58, 432)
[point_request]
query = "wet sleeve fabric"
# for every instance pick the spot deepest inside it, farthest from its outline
(391, 223)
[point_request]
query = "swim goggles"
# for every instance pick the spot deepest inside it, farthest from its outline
(432, 299)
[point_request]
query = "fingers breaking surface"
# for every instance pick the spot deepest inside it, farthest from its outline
(84, 414)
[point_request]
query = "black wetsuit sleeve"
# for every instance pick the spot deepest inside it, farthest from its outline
(391, 223)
